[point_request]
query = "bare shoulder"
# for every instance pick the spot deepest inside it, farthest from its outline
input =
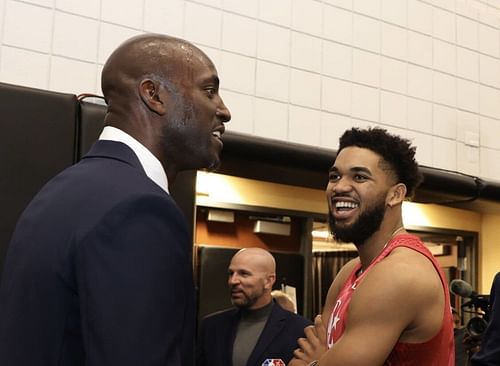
(337, 284)
(408, 281)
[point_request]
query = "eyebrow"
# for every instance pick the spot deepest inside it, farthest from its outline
(354, 169)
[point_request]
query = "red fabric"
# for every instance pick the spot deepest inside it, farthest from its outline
(438, 351)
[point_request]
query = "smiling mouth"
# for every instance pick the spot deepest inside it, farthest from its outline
(343, 209)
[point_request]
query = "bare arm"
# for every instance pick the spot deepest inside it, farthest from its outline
(392, 303)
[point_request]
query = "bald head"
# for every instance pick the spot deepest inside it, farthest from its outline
(252, 274)
(164, 92)
(145, 56)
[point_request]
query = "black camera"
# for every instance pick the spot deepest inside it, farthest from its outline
(479, 305)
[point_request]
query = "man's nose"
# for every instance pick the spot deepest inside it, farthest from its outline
(223, 112)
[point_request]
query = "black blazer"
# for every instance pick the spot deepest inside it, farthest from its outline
(278, 340)
(489, 354)
(98, 271)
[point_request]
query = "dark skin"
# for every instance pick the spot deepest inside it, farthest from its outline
(163, 91)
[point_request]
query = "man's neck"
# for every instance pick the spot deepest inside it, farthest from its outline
(374, 245)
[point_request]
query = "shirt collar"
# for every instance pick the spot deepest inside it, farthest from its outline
(151, 165)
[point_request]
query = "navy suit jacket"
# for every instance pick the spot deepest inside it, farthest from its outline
(98, 271)
(489, 354)
(278, 339)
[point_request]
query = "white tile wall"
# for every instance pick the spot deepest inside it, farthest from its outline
(332, 127)
(239, 34)
(489, 164)
(271, 119)
(488, 101)
(394, 41)
(489, 129)
(272, 81)
(337, 60)
(71, 76)
(444, 122)
(468, 159)
(88, 8)
(237, 72)
(164, 17)
(306, 52)
(337, 24)
(419, 16)
(443, 25)
(489, 71)
(241, 107)
(128, 13)
(25, 68)
(419, 115)
(346, 4)
(336, 95)
(394, 11)
(248, 8)
(305, 88)
(71, 32)
(36, 37)
(365, 67)
(467, 32)
(276, 11)
(273, 43)
(425, 147)
(468, 128)
(420, 49)
(307, 16)
(111, 36)
(488, 40)
(468, 95)
(393, 110)
(371, 8)
(297, 70)
(445, 58)
(419, 82)
(445, 153)
(202, 24)
(365, 102)
(444, 89)
(304, 125)
(467, 64)
(366, 33)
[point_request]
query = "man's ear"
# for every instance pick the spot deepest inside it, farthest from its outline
(396, 194)
(271, 279)
(151, 94)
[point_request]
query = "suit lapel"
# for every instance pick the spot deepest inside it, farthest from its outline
(229, 337)
(273, 327)
(114, 150)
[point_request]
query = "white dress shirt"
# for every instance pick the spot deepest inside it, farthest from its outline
(151, 165)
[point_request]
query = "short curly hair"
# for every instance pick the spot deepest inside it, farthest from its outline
(396, 152)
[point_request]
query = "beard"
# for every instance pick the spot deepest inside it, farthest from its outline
(247, 300)
(364, 227)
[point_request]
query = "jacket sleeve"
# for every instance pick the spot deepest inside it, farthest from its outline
(135, 286)
(489, 354)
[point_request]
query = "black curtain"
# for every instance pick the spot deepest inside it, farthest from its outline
(326, 265)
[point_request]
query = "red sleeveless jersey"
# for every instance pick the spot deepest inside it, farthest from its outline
(438, 351)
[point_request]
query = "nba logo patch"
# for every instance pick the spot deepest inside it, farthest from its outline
(273, 362)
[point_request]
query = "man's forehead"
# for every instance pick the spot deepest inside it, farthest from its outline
(354, 156)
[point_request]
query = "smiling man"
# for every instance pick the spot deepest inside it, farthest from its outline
(257, 331)
(99, 268)
(389, 306)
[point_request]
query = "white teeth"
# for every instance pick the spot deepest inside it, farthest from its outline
(216, 134)
(343, 204)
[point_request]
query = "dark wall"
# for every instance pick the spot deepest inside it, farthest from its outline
(37, 141)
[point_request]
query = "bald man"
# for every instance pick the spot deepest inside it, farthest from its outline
(99, 268)
(257, 331)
